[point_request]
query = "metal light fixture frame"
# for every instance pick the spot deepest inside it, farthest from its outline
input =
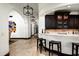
(31, 11)
(27, 10)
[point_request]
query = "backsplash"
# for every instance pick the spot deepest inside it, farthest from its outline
(63, 31)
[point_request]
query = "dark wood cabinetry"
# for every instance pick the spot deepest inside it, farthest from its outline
(62, 21)
(50, 22)
(74, 21)
(62, 18)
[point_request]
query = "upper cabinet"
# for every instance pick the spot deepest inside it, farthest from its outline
(50, 22)
(62, 20)
(74, 21)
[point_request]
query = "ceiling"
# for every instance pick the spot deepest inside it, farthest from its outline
(74, 7)
(51, 6)
(33, 5)
(71, 7)
(46, 5)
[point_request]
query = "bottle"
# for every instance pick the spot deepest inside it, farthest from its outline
(73, 32)
(42, 30)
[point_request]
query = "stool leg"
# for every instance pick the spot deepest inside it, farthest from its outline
(49, 48)
(58, 48)
(72, 49)
(52, 49)
(40, 49)
(37, 44)
(40, 46)
(76, 50)
(45, 45)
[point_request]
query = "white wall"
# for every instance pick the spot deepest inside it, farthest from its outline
(29, 26)
(74, 13)
(41, 23)
(4, 33)
(5, 10)
(33, 28)
(21, 25)
(26, 20)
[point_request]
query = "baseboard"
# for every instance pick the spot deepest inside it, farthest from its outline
(63, 54)
(8, 54)
(33, 35)
(21, 38)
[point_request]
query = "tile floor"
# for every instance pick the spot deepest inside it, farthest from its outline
(26, 47)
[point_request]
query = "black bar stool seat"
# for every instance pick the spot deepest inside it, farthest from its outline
(75, 48)
(58, 43)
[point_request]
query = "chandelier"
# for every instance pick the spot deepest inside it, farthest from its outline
(27, 10)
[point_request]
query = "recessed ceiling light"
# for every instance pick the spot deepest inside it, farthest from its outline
(10, 16)
(68, 6)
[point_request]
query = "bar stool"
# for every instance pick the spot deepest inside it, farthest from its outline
(75, 48)
(58, 43)
(41, 43)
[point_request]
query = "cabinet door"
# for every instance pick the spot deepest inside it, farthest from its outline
(71, 22)
(50, 22)
(74, 22)
(59, 21)
(65, 21)
(77, 21)
(62, 21)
